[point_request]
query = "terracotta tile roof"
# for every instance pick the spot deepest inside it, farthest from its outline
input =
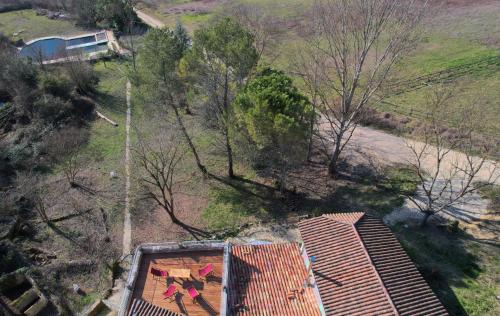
(143, 308)
(347, 218)
(361, 269)
(262, 277)
(408, 290)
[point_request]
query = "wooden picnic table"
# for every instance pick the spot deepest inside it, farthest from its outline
(180, 273)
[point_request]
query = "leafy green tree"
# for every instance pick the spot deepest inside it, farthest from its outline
(221, 58)
(276, 116)
(160, 56)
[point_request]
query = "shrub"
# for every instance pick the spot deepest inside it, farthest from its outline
(52, 109)
(56, 84)
(82, 76)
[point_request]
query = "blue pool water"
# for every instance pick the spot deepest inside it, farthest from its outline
(81, 40)
(53, 48)
(47, 48)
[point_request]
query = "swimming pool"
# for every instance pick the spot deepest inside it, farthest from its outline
(57, 47)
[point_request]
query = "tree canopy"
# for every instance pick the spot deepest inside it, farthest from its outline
(221, 58)
(161, 53)
(276, 116)
(226, 43)
(273, 110)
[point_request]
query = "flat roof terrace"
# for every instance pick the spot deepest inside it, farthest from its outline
(150, 289)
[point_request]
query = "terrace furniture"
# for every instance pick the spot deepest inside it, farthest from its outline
(206, 271)
(180, 273)
(193, 293)
(158, 274)
(171, 293)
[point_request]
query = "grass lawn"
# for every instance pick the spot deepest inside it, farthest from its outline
(106, 139)
(465, 274)
(31, 26)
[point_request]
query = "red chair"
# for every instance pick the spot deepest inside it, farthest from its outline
(193, 293)
(171, 293)
(158, 274)
(206, 271)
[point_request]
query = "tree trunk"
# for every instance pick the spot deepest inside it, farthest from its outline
(333, 165)
(230, 171)
(174, 218)
(311, 130)
(283, 178)
(202, 168)
(229, 150)
(425, 219)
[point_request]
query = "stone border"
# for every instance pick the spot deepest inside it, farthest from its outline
(66, 38)
(153, 248)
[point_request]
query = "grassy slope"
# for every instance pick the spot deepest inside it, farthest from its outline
(32, 26)
(106, 138)
(106, 142)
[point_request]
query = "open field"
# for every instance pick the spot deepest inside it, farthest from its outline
(26, 25)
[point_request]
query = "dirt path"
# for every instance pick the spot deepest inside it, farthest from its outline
(390, 149)
(370, 146)
(127, 226)
(148, 19)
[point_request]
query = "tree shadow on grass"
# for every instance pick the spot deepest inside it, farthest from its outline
(112, 103)
(239, 198)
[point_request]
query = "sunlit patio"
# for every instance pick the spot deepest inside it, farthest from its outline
(183, 269)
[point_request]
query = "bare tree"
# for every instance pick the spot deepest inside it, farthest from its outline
(159, 159)
(309, 72)
(159, 162)
(450, 166)
(356, 45)
(65, 147)
(261, 24)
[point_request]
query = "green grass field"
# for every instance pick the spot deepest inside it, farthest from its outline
(106, 139)
(29, 26)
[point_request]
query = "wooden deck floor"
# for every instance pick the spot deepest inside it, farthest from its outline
(147, 289)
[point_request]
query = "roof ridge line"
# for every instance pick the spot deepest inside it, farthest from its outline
(384, 289)
(330, 215)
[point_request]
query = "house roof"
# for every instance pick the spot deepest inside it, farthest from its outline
(268, 280)
(361, 269)
(407, 288)
(143, 308)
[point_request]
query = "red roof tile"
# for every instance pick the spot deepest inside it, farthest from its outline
(143, 308)
(347, 218)
(262, 277)
(361, 269)
(408, 290)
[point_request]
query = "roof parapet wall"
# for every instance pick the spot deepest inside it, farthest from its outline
(153, 248)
